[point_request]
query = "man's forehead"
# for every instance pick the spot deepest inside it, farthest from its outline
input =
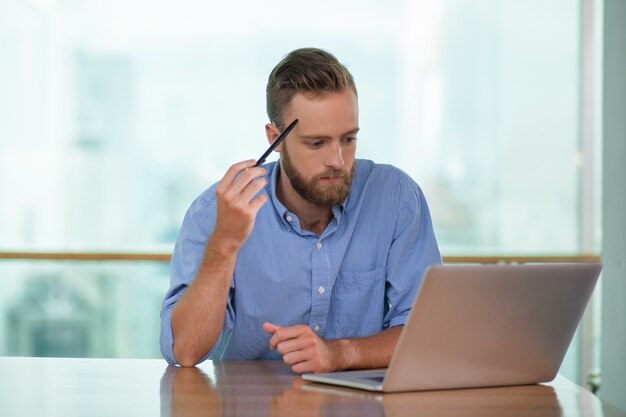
(333, 113)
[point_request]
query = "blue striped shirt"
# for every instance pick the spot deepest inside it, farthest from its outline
(357, 278)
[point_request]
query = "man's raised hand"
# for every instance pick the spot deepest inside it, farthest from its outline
(237, 205)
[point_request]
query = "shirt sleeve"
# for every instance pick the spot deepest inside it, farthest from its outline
(196, 228)
(413, 250)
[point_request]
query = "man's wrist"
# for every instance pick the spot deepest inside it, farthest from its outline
(223, 245)
(344, 353)
(220, 255)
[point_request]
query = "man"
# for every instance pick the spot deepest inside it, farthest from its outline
(314, 259)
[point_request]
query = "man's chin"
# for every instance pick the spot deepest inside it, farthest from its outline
(331, 186)
(330, 195)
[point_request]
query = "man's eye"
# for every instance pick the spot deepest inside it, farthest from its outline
(316, 144)
(349, 140)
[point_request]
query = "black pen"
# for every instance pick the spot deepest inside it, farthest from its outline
(275, 143)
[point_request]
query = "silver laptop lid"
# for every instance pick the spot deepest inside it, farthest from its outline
(490, 325)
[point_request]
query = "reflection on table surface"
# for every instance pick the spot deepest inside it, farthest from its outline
(140, 387)
(263, 389)
(274, 391)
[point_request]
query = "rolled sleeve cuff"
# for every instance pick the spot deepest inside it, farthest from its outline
(399, 320)
(167, 340)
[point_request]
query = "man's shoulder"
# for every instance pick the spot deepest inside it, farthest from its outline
(204, 206)
(388, 185)
(382, 174)
(206, 197)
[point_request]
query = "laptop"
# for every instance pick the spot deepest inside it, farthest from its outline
(482, 326)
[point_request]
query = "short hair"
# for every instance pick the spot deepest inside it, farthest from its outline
(309, 70)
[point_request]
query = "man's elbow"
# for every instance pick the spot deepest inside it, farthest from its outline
(186, 358)
(186, 362)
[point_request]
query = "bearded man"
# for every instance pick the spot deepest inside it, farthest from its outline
(315, 259)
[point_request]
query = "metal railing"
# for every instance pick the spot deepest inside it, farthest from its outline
(165, 257)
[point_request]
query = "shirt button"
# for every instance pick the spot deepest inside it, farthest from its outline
(320, 290)
(318, 245)
(316, 328)
(288, 218)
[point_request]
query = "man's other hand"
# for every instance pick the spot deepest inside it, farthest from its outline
(304, 350)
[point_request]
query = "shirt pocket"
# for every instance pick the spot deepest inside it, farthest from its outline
(358, 303)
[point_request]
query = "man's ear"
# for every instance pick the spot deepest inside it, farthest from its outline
(272, 133)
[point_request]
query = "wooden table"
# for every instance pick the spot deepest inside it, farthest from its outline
(144, 387)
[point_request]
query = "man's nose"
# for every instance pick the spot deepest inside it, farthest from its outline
(335, 156)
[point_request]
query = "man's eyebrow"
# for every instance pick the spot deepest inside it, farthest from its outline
(310, 137)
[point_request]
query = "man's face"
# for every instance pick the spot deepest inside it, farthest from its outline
(318, 155)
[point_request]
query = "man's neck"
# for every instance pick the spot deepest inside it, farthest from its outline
(312, 218)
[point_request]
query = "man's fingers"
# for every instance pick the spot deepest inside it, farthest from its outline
(232, 172)
(237, 205)
(252, 189)
(258, 202)
(299, 355)
(293, 345)
(287, 333)
(245, 178)
(300, 347)
(240, 194)
(306, 366)
(270, 328)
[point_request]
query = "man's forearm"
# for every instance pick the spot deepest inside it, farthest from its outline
(368, 352)
(198, 316)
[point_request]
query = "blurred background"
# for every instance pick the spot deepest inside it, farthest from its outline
(115, 115)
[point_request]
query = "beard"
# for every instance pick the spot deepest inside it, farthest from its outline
(312, 191)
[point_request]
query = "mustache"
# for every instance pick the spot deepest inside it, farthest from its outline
(332, 173)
